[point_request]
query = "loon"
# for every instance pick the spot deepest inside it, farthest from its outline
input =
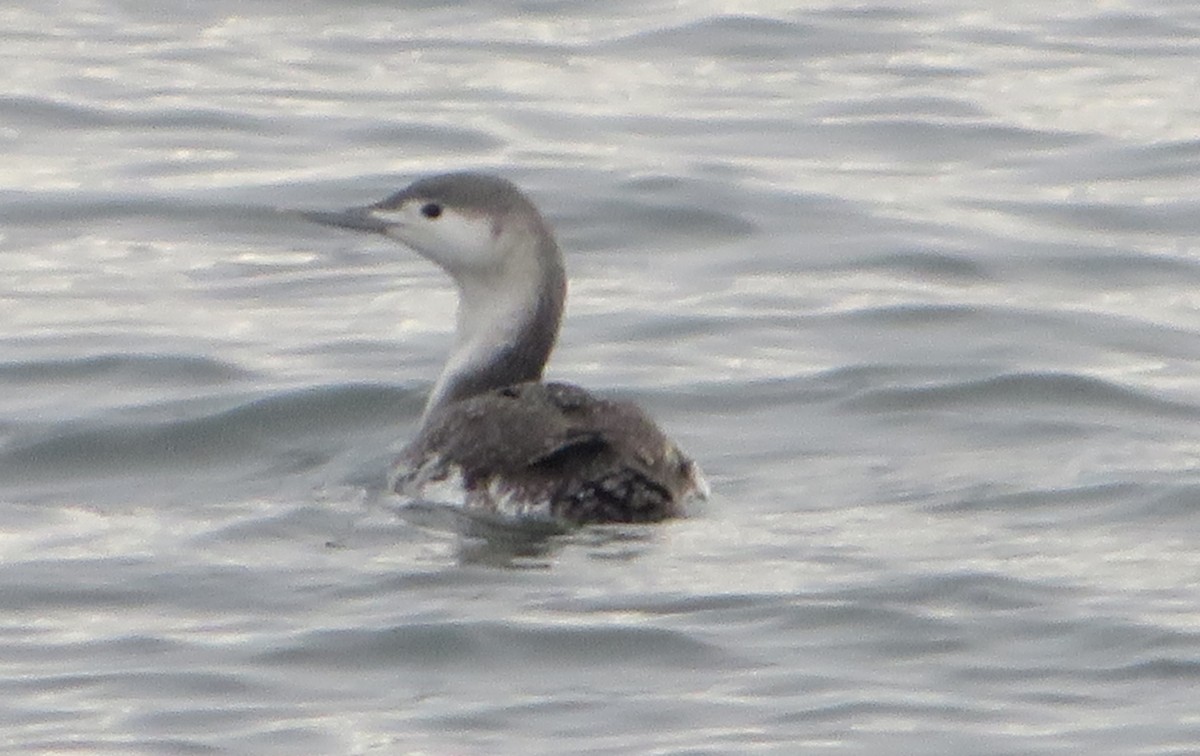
(493, 438)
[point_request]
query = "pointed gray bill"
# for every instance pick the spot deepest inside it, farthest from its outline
(356, 219)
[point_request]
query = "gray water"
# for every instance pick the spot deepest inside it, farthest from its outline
(916, 283)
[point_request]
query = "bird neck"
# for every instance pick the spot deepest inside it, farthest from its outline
(507, 324)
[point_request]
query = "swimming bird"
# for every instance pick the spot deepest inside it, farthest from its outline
(493, 438)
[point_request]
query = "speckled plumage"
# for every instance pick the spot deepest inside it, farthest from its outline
(582, 458)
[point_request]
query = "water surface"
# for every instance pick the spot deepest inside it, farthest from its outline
(917, 286)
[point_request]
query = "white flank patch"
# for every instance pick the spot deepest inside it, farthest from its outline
(449, 490)
(700, 487)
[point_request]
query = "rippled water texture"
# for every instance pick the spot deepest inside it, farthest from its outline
(916, 283)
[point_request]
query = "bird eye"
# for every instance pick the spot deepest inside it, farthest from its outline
(431, 210)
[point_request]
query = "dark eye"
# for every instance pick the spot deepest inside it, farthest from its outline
(431, 210)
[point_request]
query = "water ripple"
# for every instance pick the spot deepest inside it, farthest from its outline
(467, 645)
(1064, 392)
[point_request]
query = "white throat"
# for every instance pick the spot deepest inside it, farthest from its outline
(498, 313)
